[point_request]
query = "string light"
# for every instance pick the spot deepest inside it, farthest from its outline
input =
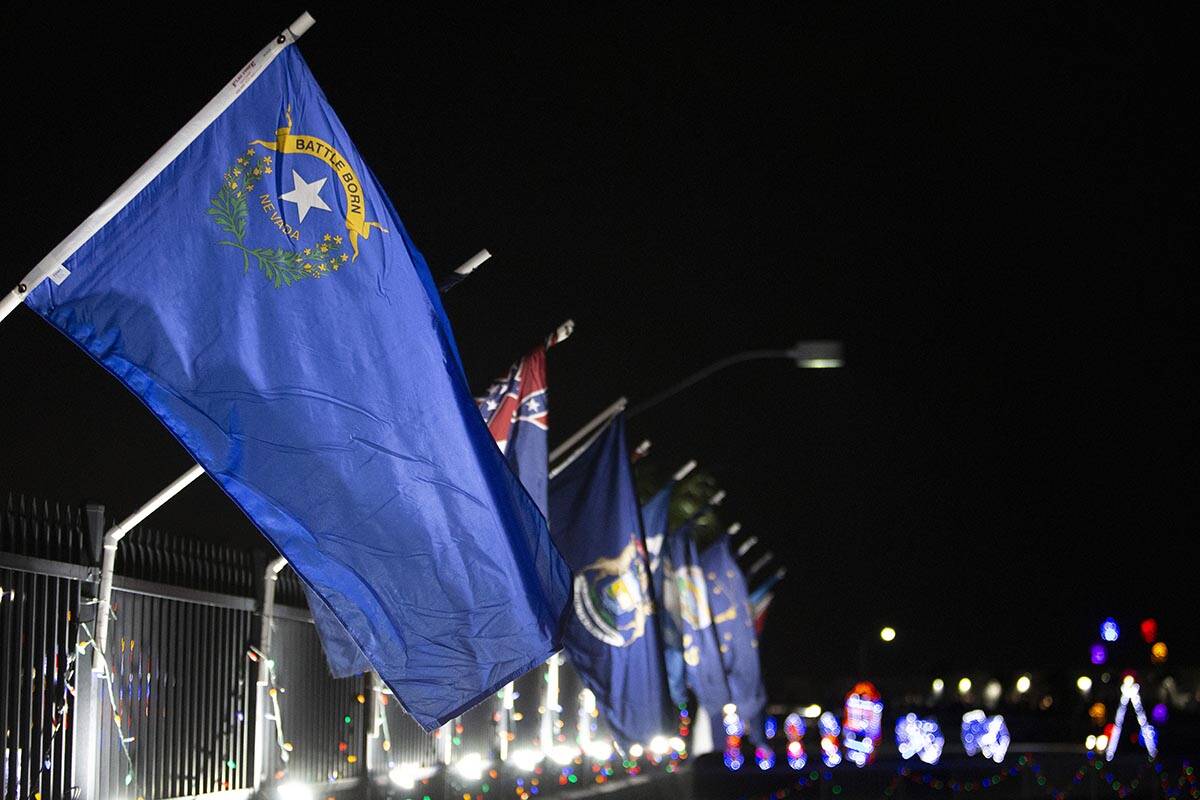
(1110, 631)
(1131, 695)
(830, 730)
(794, 728)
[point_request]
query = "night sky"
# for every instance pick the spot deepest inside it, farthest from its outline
(994, 208)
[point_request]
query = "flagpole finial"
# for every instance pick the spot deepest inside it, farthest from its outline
(734, 528)
(301, 25)
(717, 498)
(684, 471)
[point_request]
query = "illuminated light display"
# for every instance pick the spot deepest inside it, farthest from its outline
(765, 757)
(770, 727)
(734, 728)
(862, 725)
(919, 737)
(1131, 695)
(985, 735)
(1158, 653)
(1023, 684)
(1149, 628)
(794, 728)
(1159, 713)
(1110, 631)
(1098, 654)
(827, 726)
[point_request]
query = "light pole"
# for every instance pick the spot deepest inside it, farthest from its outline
(807, 354)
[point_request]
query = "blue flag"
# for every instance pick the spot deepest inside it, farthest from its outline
(262, 298)
(611, 638)
(686, 599)
(656, 514)
(516, 410)
(733, 621)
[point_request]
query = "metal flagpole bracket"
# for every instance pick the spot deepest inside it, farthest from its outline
(745, 546)
(52, 266)
(112, 540)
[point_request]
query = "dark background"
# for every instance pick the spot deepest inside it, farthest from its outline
(994, 207)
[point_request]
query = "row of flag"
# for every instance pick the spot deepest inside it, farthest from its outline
(255, 288)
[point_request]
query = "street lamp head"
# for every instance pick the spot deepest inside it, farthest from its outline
(817, 354)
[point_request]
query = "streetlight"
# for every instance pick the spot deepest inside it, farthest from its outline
(887, 635)
(807, 354)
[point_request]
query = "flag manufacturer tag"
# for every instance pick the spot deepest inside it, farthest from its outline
(59, 275)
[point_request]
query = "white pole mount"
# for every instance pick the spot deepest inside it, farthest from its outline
(684, 471)
(472, 263)
(111, 541)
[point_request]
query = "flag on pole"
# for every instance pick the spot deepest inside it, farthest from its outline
(655, 519)
(611, 638)
(733, 621)
(685, 598)
(260, 295)
(516, 410)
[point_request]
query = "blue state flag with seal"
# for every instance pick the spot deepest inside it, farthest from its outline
(261, 296)
(611, 638)
(733, 623)
(685, 598)
(656, 514)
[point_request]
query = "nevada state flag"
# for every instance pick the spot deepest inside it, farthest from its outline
(261, 297)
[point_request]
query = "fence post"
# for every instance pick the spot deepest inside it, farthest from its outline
(88, 712)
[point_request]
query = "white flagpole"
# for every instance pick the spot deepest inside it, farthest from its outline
(684, 471)
(734, 529)
(52, 265)
(472, 263)
(762, 562)
(745, 546)
(111, 540)
(574, 439)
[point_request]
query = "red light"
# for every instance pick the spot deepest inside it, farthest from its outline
(1149, 630)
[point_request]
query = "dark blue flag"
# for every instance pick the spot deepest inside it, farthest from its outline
(733, 620)
(261, 296)
(611, 638)
(685, 597)
(655, 519)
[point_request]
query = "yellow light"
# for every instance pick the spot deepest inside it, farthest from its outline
(964, 685)
(939, 685)
(888, 634)
(1090, 741)
(1084, 683)
(1023, 684)
(1158, 653)
(1097, 712)
(1102, 742)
